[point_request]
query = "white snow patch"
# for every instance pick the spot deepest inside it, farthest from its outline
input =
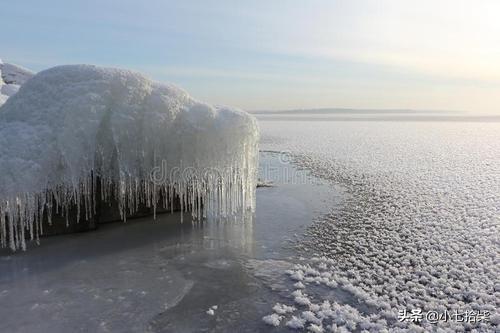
(299, 285)
(302, 301)
(315, 328)
(314, 307)
(283, 308)
(300, 298)
(211, 310)
(296, 323)
(311, 317)
(273, 319)
(297, 275)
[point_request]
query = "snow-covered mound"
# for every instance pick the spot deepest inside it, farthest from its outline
(11, 78)
(71, 126)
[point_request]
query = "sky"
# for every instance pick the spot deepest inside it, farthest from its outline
(274, 55)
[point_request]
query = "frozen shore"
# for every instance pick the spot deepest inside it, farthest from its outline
(77, 135)
(163, 276)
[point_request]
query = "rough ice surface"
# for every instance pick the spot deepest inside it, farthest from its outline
(71, 125)
(419, 229)
(164, 276)
(11, 78)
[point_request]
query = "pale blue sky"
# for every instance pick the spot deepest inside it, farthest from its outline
(277, 54)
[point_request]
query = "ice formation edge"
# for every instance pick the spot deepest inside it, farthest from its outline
(77, 133)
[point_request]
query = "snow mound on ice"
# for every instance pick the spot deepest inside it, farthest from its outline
(143, 140)
(12, 77)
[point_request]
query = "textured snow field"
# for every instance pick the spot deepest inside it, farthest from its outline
(419, 229)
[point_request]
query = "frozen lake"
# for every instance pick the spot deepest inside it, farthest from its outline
(370, 220)
(162, 276)
(419, 229)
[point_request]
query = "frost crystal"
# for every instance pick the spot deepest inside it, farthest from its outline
(283, 308)
(296, 323)
(76, 133)
(273, 319)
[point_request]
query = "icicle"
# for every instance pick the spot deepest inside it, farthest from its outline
(206, 156)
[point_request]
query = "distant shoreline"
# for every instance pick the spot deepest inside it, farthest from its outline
(332, 111)
(395, 118)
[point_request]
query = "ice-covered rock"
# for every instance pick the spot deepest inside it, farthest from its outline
(71, 130)
(11, 78)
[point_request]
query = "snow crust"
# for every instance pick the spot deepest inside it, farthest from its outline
(69, 125)
(12, 77)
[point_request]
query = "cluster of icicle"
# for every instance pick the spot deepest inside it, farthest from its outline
(72, 131)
